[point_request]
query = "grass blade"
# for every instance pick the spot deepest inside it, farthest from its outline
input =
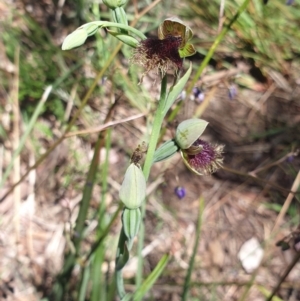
(148, 283)
(187, 281)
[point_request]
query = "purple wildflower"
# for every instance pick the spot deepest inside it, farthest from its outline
(232, 92)
(180, 192)
(289, 2)
(198, 94)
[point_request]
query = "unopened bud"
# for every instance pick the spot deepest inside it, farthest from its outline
(133, 189)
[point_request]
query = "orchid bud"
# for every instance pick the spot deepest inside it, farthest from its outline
(133, 188)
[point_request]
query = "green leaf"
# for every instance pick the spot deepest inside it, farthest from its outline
(122, 259)
(151, 279)
(176, 90)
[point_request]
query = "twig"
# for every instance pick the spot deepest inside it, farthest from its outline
(221, 14)
(286, 273)
(287, 202)
(104, 126)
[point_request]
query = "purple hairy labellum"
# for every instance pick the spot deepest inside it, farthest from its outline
(203, 157)
(156, 54)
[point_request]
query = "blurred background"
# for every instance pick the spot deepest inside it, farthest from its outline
(250, 95)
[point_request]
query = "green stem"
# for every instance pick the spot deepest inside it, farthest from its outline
(187, 282)
(157, 123)
(118, 25)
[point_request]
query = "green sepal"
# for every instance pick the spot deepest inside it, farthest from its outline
(131, 220)
(188, 131)
(165, 151)
(187, 50)
(133, 188)
(176, 28)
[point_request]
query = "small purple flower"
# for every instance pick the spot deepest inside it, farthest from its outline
(180, 192)
(289, 2)
(232, 92)
(290, 159)
(203, 157)
(198, 94)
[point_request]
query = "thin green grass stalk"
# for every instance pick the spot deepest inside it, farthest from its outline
(98, 289)
(104, 232)
(151, 279)
(248, 286)
(98, 281)
(267, 293)
(84, 281)
(28, 130)
(187, 282)
(119, 277)
(87, 193)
